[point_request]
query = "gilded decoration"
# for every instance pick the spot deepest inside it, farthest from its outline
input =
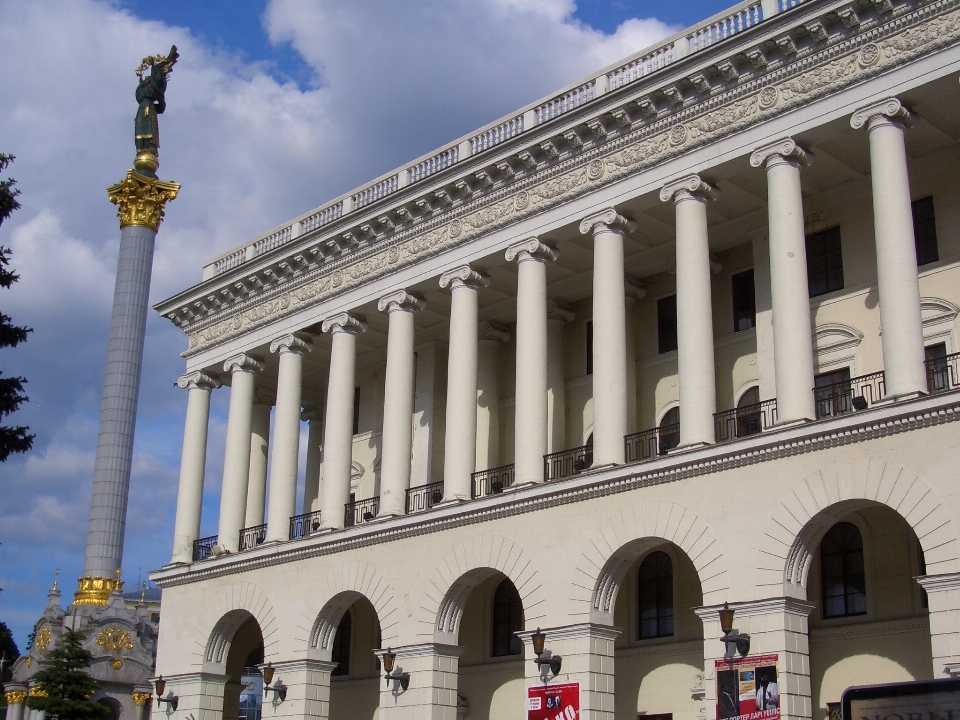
(37, 691)
(116, 663)
(29, 661)
(43, 638)
(142, 698)
(114, 638)
(15, 696)
(96, 590)
(140, 200)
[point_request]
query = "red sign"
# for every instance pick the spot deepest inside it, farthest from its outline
(554, 702)
(748, 688)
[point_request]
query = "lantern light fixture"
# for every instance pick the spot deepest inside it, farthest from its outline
(172, 700)
(279, 688)
(389, 663)
(545, 657)
(733, 640)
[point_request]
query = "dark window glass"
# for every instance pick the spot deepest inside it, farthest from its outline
(356, 410)
(824, 262)
(744, 301)
(749, 417)
(938, 372)
(655, 595)
(925, 231)
(669, 430)
(507, 619)
(832, 393)
(841, 572)
(667, 324)
(341, 646)
(589, 347)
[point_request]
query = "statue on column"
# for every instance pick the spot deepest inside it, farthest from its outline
(150, 96)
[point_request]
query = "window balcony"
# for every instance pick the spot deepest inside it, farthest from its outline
(251, 537)
(843, 397)
(652, 443)
(361, 511)
(423, 497)
(203, 548)
(745, 420)
(303, 525)
(567, 462)
(943, 374)
(492, 481)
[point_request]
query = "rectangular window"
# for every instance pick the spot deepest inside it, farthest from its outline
(832, 393)
(938, 372)
(589, 347)
(744, 301)
(824, 262)
(925, 231)
(356, 411)
(667, 324)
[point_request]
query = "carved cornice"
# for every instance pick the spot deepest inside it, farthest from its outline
(464, 276)
(531, 249)
(940, 583)
(299, 343)
(767, 606)
(198, 381)
(140, 200)
(401, 300)
(493, 333)
(889, 111)
(691, 187)
(606, 221)
(782, 151)
(344, 323)
(243, 363)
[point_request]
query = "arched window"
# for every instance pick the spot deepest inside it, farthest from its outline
(655, 595)
(669, 430)
(841, 572)
(507, 619)
(341, 646)
(749, 420)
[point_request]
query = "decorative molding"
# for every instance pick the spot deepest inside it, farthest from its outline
(832, 337)
(782, 151)
(296, 343)
(401, 300)
(865, 629)
(345, 323)
(198, 381)
(940, 583)
(140, 200)
(691, 187)
(753, 608)
(464, 276)
(531, 249)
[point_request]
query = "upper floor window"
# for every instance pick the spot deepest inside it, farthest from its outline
(925, 231)
(831, 393)
(824, 262)
(507, 619)
(589, 347)
(655, 595)
(669, 430)
(667, 324)
(356, 411)
(841, 572)
(938, 370)
(744, 301)
(341, 646)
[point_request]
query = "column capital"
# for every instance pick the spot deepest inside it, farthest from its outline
(787, 605)
(783, 151)
(422, 650)
(464, 276)
(299, 343)
(889, 111)
(493, 333)
(243, 363)
(262, 396)
(558, 310)
(401, 300)
(344, 323)
(571, 632)
(531, 249)
(198, 380)
(940, 583)
(691, 187)
(314, 412)
(607, 220)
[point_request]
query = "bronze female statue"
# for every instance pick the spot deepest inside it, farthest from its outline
(150, 96)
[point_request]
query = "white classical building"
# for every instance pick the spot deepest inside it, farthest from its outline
(681, 335)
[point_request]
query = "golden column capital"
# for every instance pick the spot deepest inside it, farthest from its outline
(140, 199)
(15, 696)
(142, 698)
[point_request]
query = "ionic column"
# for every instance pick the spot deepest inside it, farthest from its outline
(488, 395)
(398, 401)
(461, 420)
(193, 460)
(286, 434)
(236, 459)
(899, 289)
(338, 427)
(259, 450)
(558, 315)
(698, 395)
(432, 691)
(609, 335)
(314, 464)
(790, 298)
(943, 598)
(530, 437)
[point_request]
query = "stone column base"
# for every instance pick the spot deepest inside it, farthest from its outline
(432, 691)
(200, 694)
(308, 690)
(943, 596)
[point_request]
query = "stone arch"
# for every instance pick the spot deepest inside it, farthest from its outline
(631, 532)
(836, 490)
(228, 608)
(465, 567)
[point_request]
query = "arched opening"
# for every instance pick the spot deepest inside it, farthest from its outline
(114, 709)
(669, 436)
(749, 420)
(236, 646)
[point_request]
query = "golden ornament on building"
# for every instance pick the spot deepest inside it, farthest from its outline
(95, 590)
(142, 698)
(15, 696)
(116, 663)
(29, 661)
(140, 200)
(43, 638)
(114, 638)
(37, 691)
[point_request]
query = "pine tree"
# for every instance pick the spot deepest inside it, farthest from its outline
(12, 439)
(9, 652)
(67, 685)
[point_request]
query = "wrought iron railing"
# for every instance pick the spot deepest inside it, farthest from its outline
(203, 547)
(252, 536)
(492, 481)
(746, 420)
(943, 374)
(360, 511)
(303, 525)
(567, 462)
(651, 443)
(857, 393)
(424, 497)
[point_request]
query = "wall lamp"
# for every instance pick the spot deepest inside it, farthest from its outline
(279, 688)
(734, 641)
(160, 684)
(389, 657)
(553, 661)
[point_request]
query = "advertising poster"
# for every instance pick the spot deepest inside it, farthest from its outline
(748, 688)
(553, 702)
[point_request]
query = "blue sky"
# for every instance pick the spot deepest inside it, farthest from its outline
(275, 107)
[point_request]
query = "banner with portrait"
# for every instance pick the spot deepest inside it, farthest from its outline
(554, 702)
(748, 688)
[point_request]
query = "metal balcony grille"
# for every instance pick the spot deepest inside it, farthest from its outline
(943, 374)
(202, 547)
(360, 511)
(651, 443)
(844, 397)
(424, 497)
(744, 421)
(492, 481)
(567, 462)
(252, 536)
(303, 525)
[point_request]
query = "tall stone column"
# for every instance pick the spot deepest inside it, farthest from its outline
(609, 335)
(635, 292)
(899, 289)
(461, 420)
(236, 459)
(432, 692)
(530, 437)
(397, 440)
(314, 466)
(764, 306)
(140, 204)
(488, 395)
(259, 451)
(16, 697)
(286, 434)
(338, 426)
(193, 461)
(558, 315)
(698, 394)
(943, 598)
(790, 297)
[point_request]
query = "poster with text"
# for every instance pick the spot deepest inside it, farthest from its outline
(748, 688)
(554, 702)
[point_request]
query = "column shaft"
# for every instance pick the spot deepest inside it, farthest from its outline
(488, 404)
(631, 365)
(557, 317)
(314, 466)
(257, 477)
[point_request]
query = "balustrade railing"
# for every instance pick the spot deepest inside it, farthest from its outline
(303, 525)
(740, 19)
(203, 547)
(424, 497)
(943, 374)
(496, 135)
(321, 218)
(787, 4)
(857, 393)
(238, 257)
(426, 168)
(252, 536)
(273, 240)
(492, 481)
(642, 66)
(376, 191)
(360, 511)
(566, 102)
(649, 444)
(746, 420)
(567, 462)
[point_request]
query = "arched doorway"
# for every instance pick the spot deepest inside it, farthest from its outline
(238, 643)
